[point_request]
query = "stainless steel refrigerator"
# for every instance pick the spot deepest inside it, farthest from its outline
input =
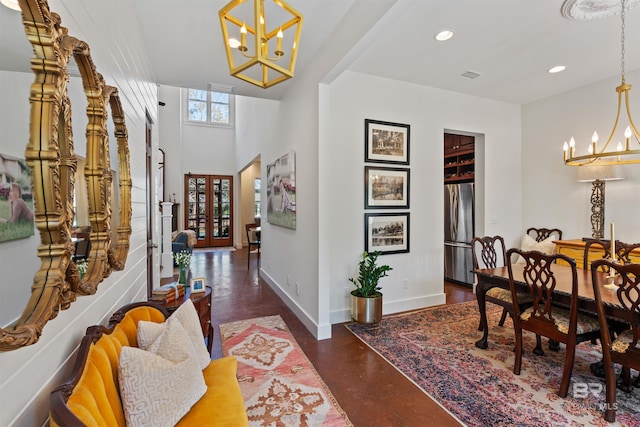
(458, 231)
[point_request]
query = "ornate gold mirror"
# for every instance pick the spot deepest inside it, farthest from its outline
(51, 158)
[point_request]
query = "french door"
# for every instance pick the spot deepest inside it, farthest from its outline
(209, 209)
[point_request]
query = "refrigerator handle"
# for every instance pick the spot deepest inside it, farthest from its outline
(453, 205)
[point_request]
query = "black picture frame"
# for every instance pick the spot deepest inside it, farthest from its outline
(387, 232)
(386, 187)
(386, 142)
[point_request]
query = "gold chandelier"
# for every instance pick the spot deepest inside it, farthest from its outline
(623, 153)
(257, 39)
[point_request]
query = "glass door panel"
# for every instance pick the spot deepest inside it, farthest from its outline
(208, 210)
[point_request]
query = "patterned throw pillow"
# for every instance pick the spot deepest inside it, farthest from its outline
(159, 386)
(529, 244)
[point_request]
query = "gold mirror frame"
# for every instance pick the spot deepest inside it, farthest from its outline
(51, 158)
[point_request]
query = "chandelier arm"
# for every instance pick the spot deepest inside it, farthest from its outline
(636, 134)
(619, 89)
(602, 159)
(253, 56)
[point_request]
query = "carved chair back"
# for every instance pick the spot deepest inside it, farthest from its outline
(541, 234)
(541, 282)
(488, 252)
(623, 251)
(625, 350)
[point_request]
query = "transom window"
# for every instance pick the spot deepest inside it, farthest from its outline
(207, 107)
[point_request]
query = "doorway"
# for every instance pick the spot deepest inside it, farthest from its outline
(150, 211)
(208, 209)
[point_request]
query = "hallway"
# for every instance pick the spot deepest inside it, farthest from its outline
(368, 389)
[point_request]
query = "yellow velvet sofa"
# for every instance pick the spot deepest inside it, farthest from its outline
(92, 396)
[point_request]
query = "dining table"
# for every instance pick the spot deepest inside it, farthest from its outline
(499, 277)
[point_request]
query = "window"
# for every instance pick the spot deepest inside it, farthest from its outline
(256, 199)
(206, 107)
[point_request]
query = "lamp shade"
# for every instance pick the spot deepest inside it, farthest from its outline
(592, 172)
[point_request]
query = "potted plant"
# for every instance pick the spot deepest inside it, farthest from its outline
(366, 299)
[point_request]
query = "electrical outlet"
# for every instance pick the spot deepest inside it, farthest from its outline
(405, 283)
(297, 289)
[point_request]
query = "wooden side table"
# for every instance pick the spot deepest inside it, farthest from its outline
(202, 303)
(575, 250)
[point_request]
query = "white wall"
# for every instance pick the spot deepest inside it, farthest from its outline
(14, 122)
(27, 375)
(552, 196)
(355, 97)
(202, 149)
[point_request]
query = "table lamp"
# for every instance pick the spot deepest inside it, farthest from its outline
(597, 174)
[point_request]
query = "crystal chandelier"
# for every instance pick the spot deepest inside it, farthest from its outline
(624, 153)
(257, 39)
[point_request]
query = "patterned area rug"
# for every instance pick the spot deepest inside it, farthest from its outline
(281, 388)
(435, 349)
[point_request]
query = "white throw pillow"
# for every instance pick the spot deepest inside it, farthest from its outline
(148, 332)
(529, 244)
(188, 317)
(158, 387)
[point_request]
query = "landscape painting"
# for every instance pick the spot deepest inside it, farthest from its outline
(16, 202)
(387, 232)
(386, 187)
(281, 191)
(386, 142)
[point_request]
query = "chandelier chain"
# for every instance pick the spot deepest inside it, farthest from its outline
(622, 40)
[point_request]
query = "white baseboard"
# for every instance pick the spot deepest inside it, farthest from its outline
(344, 315)
(320, 332)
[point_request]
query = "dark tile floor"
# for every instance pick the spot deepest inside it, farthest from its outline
(368, 389)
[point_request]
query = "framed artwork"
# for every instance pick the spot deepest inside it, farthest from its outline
(386, 187)
(16, 201)
(386, 232)
(281, 191)
(197, 285)
(386, 142)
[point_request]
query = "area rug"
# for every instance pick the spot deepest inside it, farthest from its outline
(435, 349)
(281, 388)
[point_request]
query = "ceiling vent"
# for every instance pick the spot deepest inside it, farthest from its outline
(470, 74)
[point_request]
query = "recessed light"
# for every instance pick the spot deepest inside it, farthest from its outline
(233, 43)
(557, 69)
(11, 4)
(444, 35)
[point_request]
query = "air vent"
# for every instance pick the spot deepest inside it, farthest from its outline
(470, 74)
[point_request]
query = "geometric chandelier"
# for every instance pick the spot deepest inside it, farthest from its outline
(625, 152)
(261, 44)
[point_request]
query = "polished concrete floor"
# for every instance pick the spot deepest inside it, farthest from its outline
(368, 389)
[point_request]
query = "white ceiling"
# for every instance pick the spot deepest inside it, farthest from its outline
(510, 43)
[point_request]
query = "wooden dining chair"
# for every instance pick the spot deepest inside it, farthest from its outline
(560, 324)
(604, 245)
(623, 251)
(540, 234)
(490, 252)
(624, 347)
(252, 241)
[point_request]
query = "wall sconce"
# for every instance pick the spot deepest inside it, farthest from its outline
(597, 174)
